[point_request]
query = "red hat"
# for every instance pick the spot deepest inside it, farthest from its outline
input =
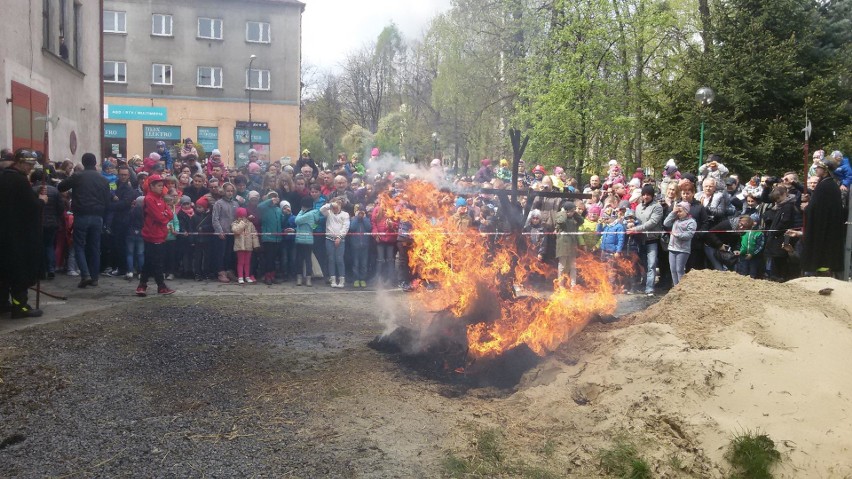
(155, 178)
(539, 169)
(485, 162)
(242, 212)
(203, 202)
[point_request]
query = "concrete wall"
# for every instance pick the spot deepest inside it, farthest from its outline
(190, 106)
(74, 92)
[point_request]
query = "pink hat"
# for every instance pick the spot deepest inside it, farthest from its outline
(253, 168)
(375, 152)
(685, 205)
(595, 209)
(558, 170)
(242, 213)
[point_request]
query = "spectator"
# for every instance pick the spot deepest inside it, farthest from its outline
(822, 250)
(359, 229)
(649, 214)
(683, 229)
(245, 242)
(337, 226)
(224, 212)
(306, 222)
(157, 215)
(567, 226)
(90, 196)
(270, 226)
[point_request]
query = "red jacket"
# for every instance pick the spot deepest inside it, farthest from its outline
(156, 219)
(384, 228)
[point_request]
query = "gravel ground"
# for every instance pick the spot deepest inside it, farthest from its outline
(269, 385)
(169, 390)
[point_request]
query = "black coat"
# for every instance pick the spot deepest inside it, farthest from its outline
(20, 229)
(823, 232)
(90, 194)
(779, 218)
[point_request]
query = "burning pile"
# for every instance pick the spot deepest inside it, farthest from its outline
(471, 307)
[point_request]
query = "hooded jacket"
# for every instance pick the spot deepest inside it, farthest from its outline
(157, 216)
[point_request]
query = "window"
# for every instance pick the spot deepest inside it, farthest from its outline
(210, 28)
(115, 22)
(210, 77)
(257, 79)
(161, 25)
(115, 72)
(161, 74)
(257, 32)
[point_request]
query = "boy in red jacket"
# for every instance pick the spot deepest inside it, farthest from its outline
(157, 215)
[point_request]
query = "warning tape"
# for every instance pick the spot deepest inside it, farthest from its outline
(474, 233)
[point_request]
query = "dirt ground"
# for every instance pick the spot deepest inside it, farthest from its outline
(285, 386)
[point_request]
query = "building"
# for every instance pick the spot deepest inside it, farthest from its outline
(51, 69)
(184, 69)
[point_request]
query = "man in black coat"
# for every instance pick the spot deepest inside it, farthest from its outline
(90, 197)
(20, 236)
(823, 231)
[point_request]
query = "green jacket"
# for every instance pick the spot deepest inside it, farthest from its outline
(751, 243)
(270, 222)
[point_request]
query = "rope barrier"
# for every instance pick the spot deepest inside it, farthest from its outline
(475, 233)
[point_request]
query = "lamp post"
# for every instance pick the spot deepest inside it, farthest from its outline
(704, 96)
(251, 125)
(434, 144)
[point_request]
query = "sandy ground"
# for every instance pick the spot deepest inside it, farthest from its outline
(287, 388)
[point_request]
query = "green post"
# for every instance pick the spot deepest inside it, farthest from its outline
(701, 145)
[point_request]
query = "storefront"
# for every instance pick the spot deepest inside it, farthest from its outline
(151, 134)
(115, 140)
(259, 132)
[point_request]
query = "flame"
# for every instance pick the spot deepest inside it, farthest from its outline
(470, 270)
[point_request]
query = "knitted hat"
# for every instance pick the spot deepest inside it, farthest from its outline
(155, 179)
(202, 202)
(285, 204)
(594, 210)
(435, 162)
(271, 194)
(253, 168)
(558, 170)
(374, 152)
(504, 163)
(185, 199)
(242, 212)
(253, 194)
(635, 182)
(648, 190)
(460, 201)
(685, 205)
(624, 205)
(215, 152)
(485, 162)
(155, 156)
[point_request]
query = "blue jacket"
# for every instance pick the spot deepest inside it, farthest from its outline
(270, 222)
(288, 221)
(612, 237)
(306, 221)
(357, 229)
(844, 172)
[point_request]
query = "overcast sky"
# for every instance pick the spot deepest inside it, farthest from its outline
(332, 28)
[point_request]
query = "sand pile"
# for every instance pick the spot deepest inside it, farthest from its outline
(721, 354)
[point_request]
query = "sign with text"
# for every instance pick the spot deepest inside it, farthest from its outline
(157, 132)
(132, 112)
(208, 137)
(115, 130)
(260, 125)
(257, 136)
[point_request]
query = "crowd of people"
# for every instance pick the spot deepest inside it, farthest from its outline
(175, 215)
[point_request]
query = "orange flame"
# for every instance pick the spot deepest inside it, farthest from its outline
(469, 269)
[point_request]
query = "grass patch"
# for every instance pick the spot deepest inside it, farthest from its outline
(490, 460)
(622, 460)
(752, 455)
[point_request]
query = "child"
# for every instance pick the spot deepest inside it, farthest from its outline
(631, 251)
(612, 236)
(270, 225)
(157, 216)
(306, 221)
(751, 245)
(201, 225)
(359, 241)
(287, 264)
(223, 243)
(171, 245)
(590, 242)
(134, 242)
(504, 173)
(184, 251)
(567, 225)
(680, 242)
(245, 241)
(336, 228)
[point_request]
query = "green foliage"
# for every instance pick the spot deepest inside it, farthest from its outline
(752, 456)
(313, 141)
(622, 460)
(489, 460)
(358, 140)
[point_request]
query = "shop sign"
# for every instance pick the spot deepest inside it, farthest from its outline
(132, 112)
(115, 130)
(155, 132)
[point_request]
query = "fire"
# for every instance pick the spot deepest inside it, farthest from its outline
(472, 274)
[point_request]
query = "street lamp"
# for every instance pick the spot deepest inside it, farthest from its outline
(434, 144)
(704, 96)
(251, 125)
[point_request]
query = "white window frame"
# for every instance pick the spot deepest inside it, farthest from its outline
(159, 70)
(214, 72)
(212, 22)
(165, 21)
(115, 70)
(116, 14)
(262, 26)
(264, 86)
